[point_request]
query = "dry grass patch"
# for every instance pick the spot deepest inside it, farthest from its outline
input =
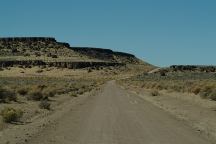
(44, 104)
(7, 94)
(40, 92)
(35, 94)
(11, 115)
(202, 84)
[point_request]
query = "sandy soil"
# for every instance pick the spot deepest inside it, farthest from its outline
(198, 113)
(110, 116)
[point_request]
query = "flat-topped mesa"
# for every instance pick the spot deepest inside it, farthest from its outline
(27, 39)
(124, 54)
(27, 47)
(101, 50)
(106, 54)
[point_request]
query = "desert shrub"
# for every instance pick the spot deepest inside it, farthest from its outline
(7, 94)
(73, 94)
(143, 85)
(11, 115)
(26, 54)
(14, 50)
(48, 69)
(49, 92)
(153, 85)
(212, 95)
(162, 73)
(28, 66)
(22, 91)
(49, 54)
(35, 94)
(159, 87)
(154, 93)
(80, 92)
(196, 90)
(37, 54)
(20, 66)
(41, 92)
(41, 87)
(43, 66)
(39, 71)
(204, 95)
(54, 56)
(206, 91)
(89, 70)
(44, 104)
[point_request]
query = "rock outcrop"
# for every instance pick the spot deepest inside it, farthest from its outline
(70, 65)
(193, 68)
(27, 39)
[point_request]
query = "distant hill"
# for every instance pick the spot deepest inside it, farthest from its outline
(107, 55)
(48, 50)
(185, 68)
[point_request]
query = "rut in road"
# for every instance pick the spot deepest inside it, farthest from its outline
(116, 117)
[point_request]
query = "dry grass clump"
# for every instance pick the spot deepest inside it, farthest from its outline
(7, 94)
(44, 104)
(40, 92)
(212, 96)
(23, 91)
(155, 93)
(39, 71)
(73, 94)
(35, 95)
(81, 88)
(11, 115)
(36, 92)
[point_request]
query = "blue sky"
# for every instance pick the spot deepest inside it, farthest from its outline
(162, 32)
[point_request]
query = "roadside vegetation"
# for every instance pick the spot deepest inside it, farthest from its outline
(201, 84)
(19, 95)
(10, 115)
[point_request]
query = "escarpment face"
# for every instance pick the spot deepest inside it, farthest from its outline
(70, 65)
(193, 68)
(27, 39)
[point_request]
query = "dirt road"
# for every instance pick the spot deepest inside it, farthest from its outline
(116, 117)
